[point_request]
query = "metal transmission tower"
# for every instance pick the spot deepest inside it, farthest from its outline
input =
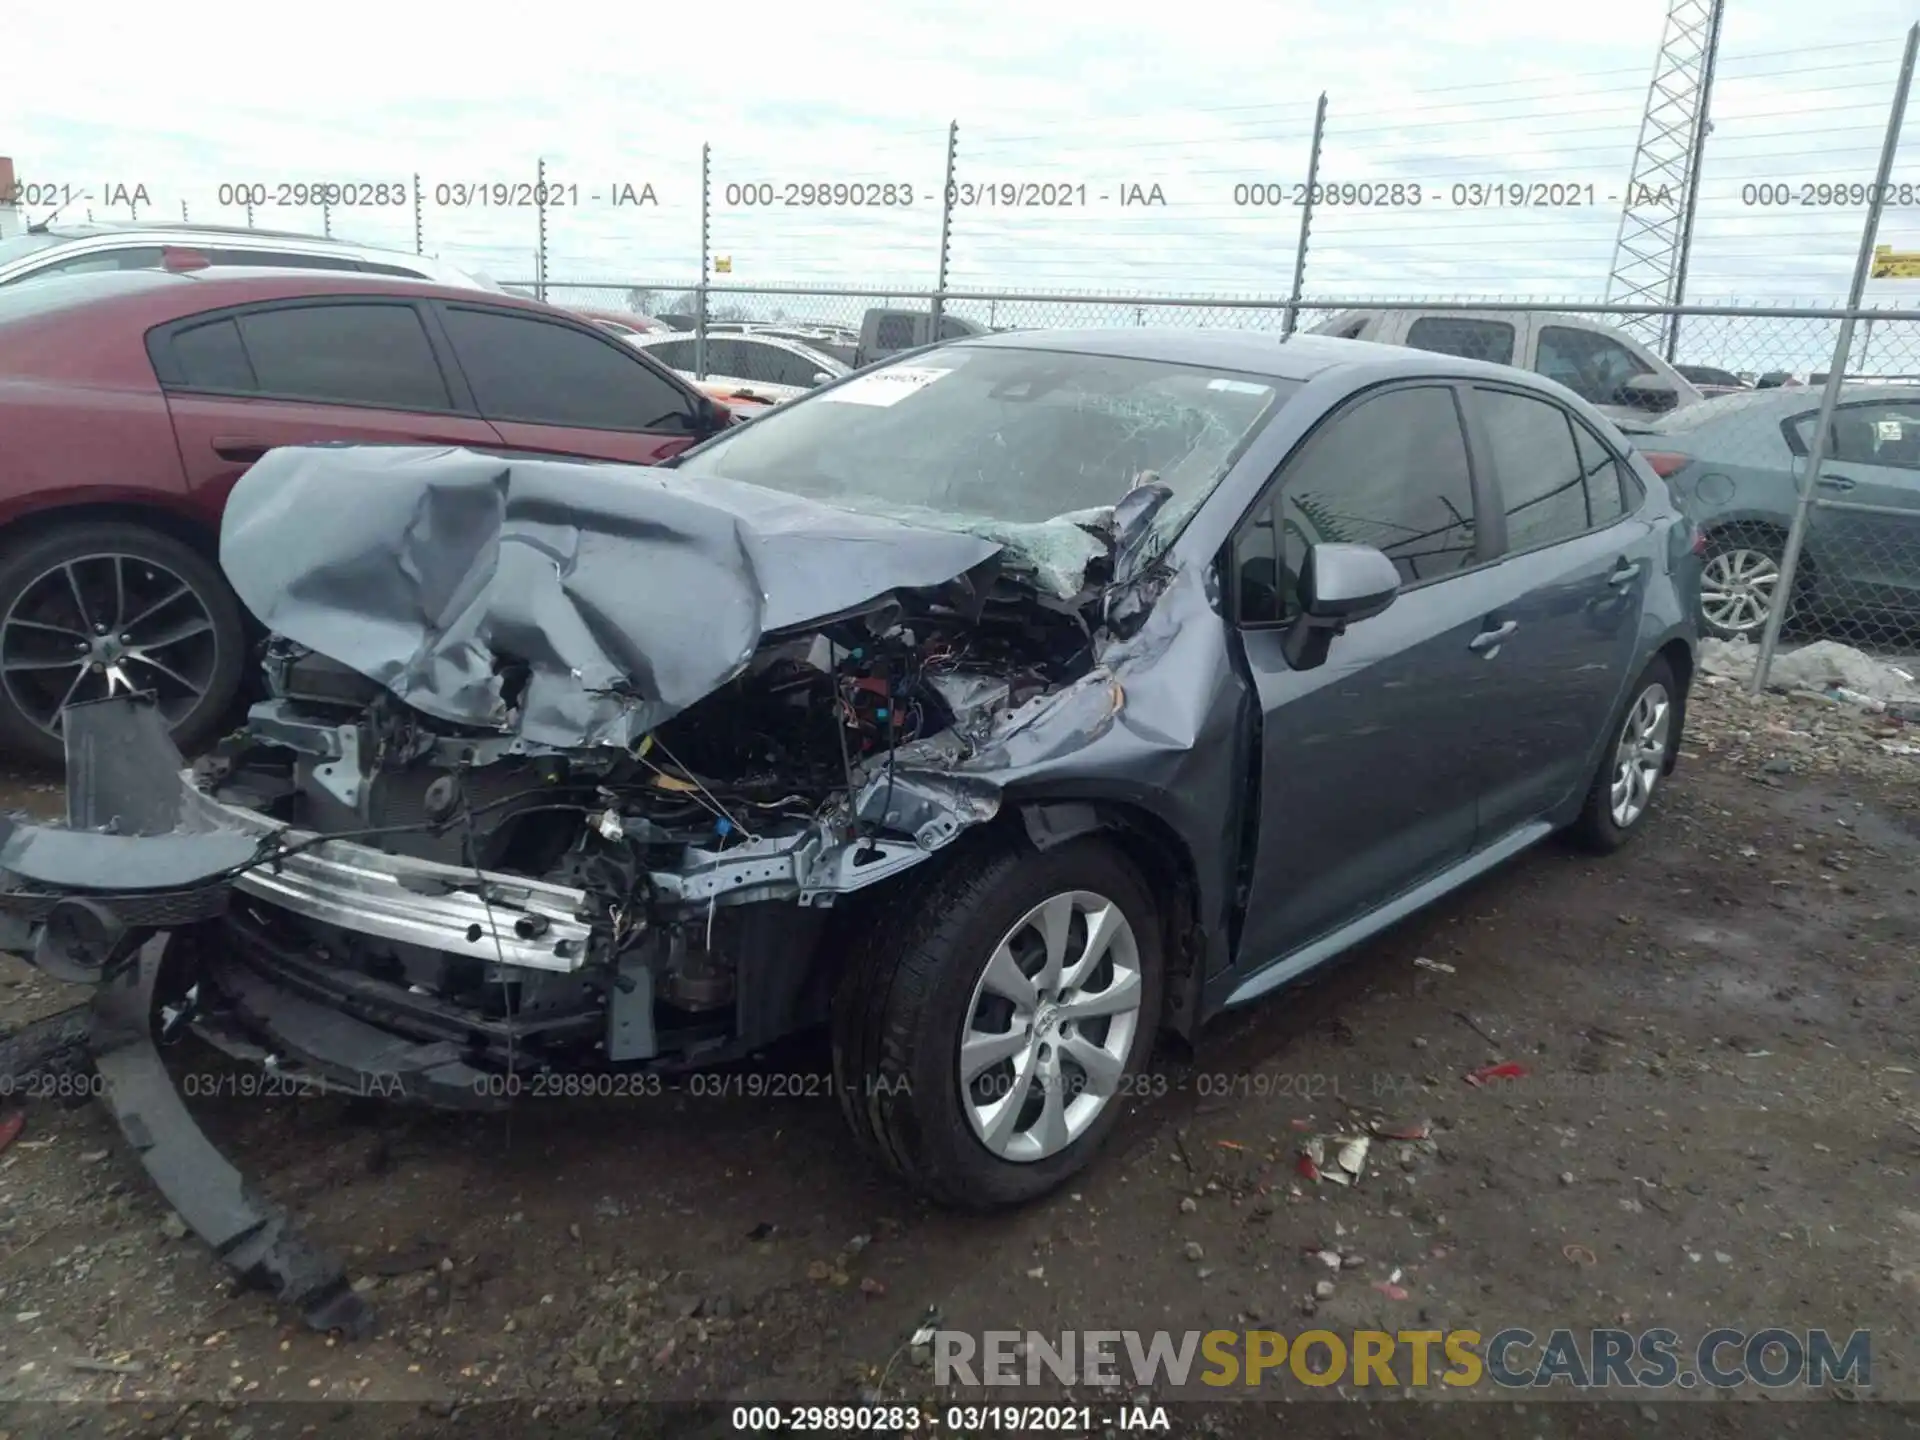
(1656, 217)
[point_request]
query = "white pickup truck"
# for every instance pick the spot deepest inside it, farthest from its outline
(1599, 364)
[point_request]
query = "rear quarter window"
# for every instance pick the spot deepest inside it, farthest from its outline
(211, 357)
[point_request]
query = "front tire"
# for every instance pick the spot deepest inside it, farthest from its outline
(1642, 744)
(988, 1032)
(103, 607)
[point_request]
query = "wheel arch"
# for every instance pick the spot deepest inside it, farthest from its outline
(1156, 849)
(173, 523)
(1751, 522)
(1678, 653)
(1758, 525)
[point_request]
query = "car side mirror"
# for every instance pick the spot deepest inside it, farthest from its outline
(1649, 392)
(821, 377)
(1339, 585)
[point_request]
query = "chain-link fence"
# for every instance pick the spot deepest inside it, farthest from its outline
(1740, 463)
(1843, 561)
(1790, 436)
(1728, 424)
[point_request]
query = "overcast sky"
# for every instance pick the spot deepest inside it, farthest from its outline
(1195, 100)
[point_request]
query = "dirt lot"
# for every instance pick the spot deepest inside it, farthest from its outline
(1719, 1124)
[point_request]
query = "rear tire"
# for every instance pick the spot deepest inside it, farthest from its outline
(925, 983)
(1640, 746)
(107, 606)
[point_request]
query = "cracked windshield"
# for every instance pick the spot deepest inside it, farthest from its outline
(1006, 434)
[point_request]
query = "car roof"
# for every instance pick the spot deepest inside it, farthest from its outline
(1258, 352)
(791, 344)
(1769, 404)
(216, 286)
(95, 229)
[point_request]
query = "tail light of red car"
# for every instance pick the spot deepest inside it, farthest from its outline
(179, 258)
(1665, 462)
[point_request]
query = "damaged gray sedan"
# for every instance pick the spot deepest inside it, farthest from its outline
(998, 708)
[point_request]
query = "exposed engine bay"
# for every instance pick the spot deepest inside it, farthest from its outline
(515, 800)
(565, 766)
(799, 781)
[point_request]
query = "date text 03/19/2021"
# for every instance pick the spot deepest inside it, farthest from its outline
(1460, 195)
(912, 1419)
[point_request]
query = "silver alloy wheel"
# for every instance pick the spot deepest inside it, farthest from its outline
(1737, 588)
(1641, 754)
(1053, 1019)
(101, 625)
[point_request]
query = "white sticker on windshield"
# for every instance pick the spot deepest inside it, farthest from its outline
(1889, 429)
(885, 387)
(1238, 387)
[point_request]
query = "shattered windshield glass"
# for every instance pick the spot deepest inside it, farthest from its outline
(1001, 434)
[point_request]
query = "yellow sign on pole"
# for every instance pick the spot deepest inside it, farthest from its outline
(1892, 264)
(723, 264)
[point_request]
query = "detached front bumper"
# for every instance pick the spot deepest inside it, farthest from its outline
(145, 853)
(191, 854)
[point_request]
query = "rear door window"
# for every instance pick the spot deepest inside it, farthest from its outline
(894, 332)
(1542, 478)
(724, 357)
(674, 354)
(780, 366)
(211, 357)
(743, 359)
(364, 353)
(1603, 475)
(1877, 433)
(1490, 340)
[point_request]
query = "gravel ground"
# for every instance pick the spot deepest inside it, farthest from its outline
(1718, 1125)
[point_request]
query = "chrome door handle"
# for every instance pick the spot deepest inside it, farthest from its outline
(1487, 642)
(1625, 573)
(1836, 482)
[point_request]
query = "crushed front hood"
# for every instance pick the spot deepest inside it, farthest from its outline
(626, 592)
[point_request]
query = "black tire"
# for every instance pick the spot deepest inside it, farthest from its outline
(1596, 829)
(905, 998)
(211, 660)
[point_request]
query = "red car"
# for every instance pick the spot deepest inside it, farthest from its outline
(131, 401)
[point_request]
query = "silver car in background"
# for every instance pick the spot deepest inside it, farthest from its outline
(751, 363)
(78, 249)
